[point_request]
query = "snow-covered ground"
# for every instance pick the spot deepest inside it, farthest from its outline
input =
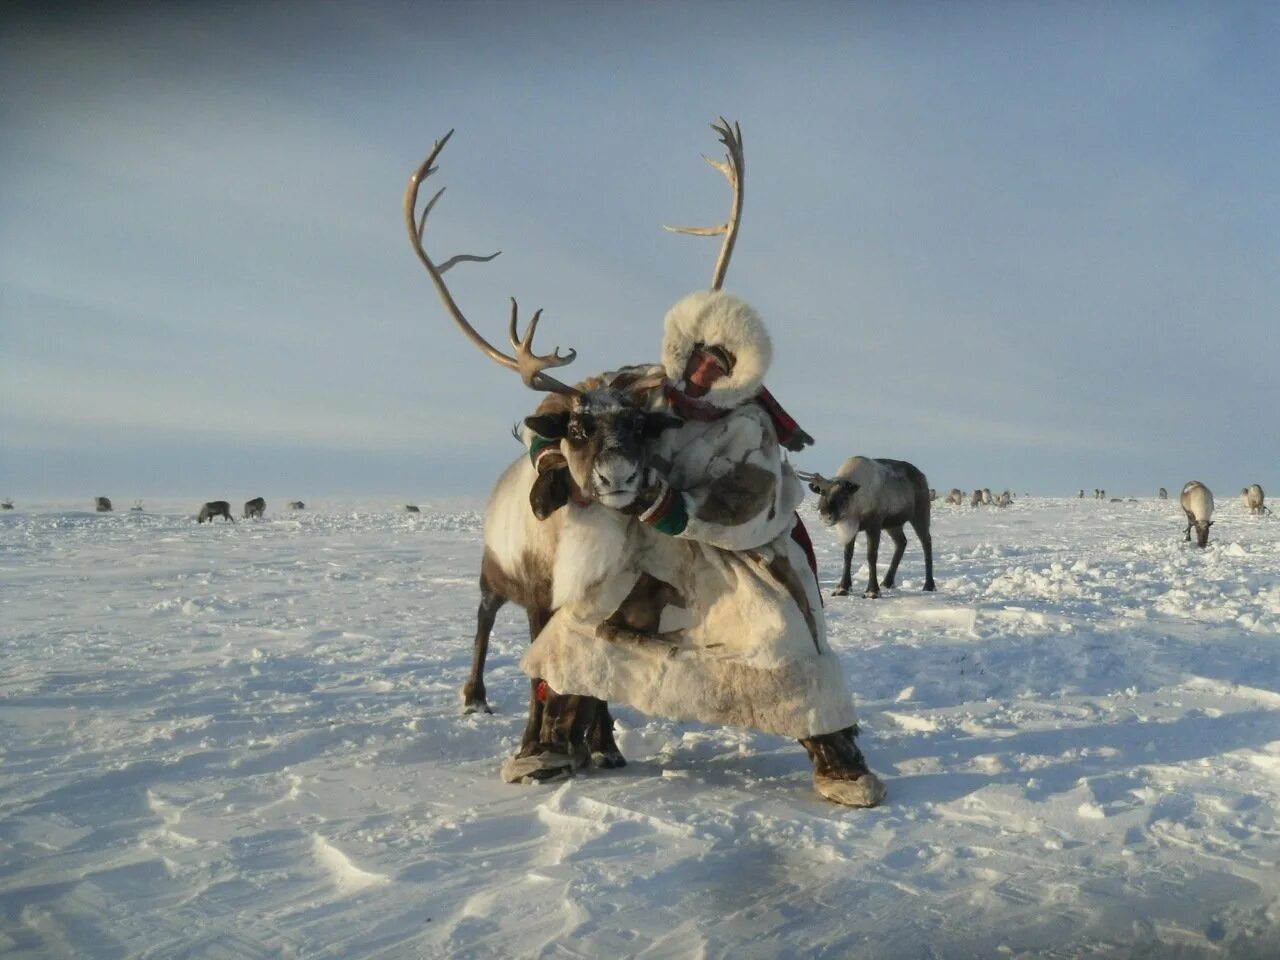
(245, 741)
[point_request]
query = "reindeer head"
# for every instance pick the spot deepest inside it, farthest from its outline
(605, 434)
(833, 495)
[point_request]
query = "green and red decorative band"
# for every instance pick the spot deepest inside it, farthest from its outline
(545, 453)
(668, 513)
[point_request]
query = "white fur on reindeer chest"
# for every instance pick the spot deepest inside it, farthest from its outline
(597, 563)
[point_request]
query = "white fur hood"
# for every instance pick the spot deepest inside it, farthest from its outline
(716, 318)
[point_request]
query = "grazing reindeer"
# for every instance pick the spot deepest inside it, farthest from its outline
(297, 505)
(215, 508)
(411, 508)
(102, 504)
(1256, 501)
(1197, 504)
(604, 434)
(255, 507)
(875, 495)
(1162, 494)
(6, 503)
(956, 496)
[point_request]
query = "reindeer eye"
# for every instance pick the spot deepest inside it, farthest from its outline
(580, 428)
(814, 488)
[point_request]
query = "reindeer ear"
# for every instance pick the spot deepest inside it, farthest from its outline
(552, 426)
(550, 492)
(656, 423)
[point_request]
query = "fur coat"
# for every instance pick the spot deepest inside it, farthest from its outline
(708, 611)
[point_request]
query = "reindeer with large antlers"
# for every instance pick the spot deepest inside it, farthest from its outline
(558, 422)
(605, 427)
(677, 573)
(704, 604)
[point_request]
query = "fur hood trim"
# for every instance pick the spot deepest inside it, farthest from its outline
(721, 319)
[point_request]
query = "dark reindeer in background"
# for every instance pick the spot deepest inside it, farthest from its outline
(102, 504)
(875, 495)
(215, 508)
(255, 507)
(605, 435)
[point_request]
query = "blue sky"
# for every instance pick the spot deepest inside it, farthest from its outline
(1031, 246)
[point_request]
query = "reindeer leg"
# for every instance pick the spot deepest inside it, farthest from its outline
(533, 727)
(846, 579)
(899, 547)
(873, 550)
(473, 692)
(604, 749)
(926, 542)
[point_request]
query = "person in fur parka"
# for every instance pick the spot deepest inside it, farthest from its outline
(713, 611)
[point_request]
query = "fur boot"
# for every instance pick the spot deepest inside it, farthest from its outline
(840, 772)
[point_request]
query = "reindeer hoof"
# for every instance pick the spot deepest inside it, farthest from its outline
(871, 594)
(840, 592)
(476, 706)
(887, 584)
(929, 587)
(608, 759)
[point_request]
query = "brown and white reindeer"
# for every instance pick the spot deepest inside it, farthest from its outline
(750, 649)
(603, 429)
(1197, 506)
(1256, 500)
(873, 495)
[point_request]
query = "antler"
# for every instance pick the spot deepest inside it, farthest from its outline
(817, 482)
(734, 170)
(528, 364)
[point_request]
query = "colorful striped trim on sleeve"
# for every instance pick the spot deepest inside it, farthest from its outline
(669, 514)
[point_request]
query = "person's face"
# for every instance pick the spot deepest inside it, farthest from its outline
(706, 365)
